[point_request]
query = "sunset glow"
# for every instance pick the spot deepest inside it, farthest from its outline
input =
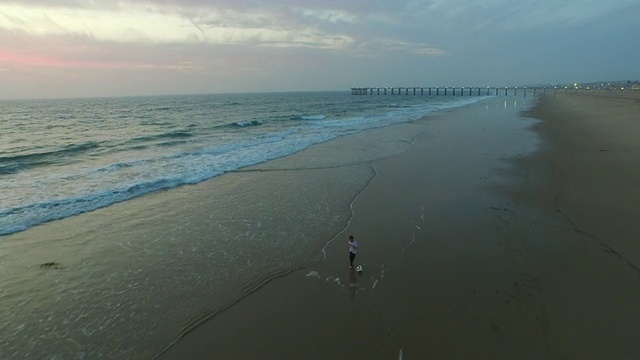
(273, 46)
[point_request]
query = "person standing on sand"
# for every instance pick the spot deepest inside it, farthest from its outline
(353, 249)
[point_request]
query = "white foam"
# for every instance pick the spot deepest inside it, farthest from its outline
(313, 117)
(313, 273)
(65, 191)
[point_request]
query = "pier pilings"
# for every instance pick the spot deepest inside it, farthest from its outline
(450, 90)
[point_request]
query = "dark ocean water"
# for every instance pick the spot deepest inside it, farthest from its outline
(60, 158)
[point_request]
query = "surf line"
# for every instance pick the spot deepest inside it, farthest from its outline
(324, 248)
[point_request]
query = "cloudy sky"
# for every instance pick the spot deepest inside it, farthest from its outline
(79, 48)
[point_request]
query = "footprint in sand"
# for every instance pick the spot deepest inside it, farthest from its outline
(52, 266)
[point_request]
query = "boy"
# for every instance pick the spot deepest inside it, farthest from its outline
(353, 250)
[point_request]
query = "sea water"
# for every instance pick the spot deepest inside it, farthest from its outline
(61, 158)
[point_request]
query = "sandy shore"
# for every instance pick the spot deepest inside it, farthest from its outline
(471, 248)
(585, 183)
(473, 245)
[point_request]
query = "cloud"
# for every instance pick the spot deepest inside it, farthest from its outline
(518, 15)
(399, 46)
(26, 60)
(35, 60)
(19, 50)
(238, 45)
(332, 16)
(316, 25)
(132, 22)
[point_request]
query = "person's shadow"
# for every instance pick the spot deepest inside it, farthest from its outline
(353, 282)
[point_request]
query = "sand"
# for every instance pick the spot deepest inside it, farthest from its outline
(472, 246)
(585, 179)
(505, 229)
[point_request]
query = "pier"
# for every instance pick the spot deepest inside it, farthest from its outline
(454, 91)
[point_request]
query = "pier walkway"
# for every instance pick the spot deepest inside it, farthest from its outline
(450, 90)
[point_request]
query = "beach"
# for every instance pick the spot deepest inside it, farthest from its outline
(501, 229)
(116, 221)
(472, 247)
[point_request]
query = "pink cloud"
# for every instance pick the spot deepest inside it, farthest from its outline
(25, 60)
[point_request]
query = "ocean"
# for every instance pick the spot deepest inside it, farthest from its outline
(62, 158)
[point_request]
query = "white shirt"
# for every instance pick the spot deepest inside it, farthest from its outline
(353, 247)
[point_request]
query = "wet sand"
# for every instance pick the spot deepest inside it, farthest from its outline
(472, 247)
(585, 179)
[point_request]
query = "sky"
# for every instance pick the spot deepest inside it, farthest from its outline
(95, 48)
